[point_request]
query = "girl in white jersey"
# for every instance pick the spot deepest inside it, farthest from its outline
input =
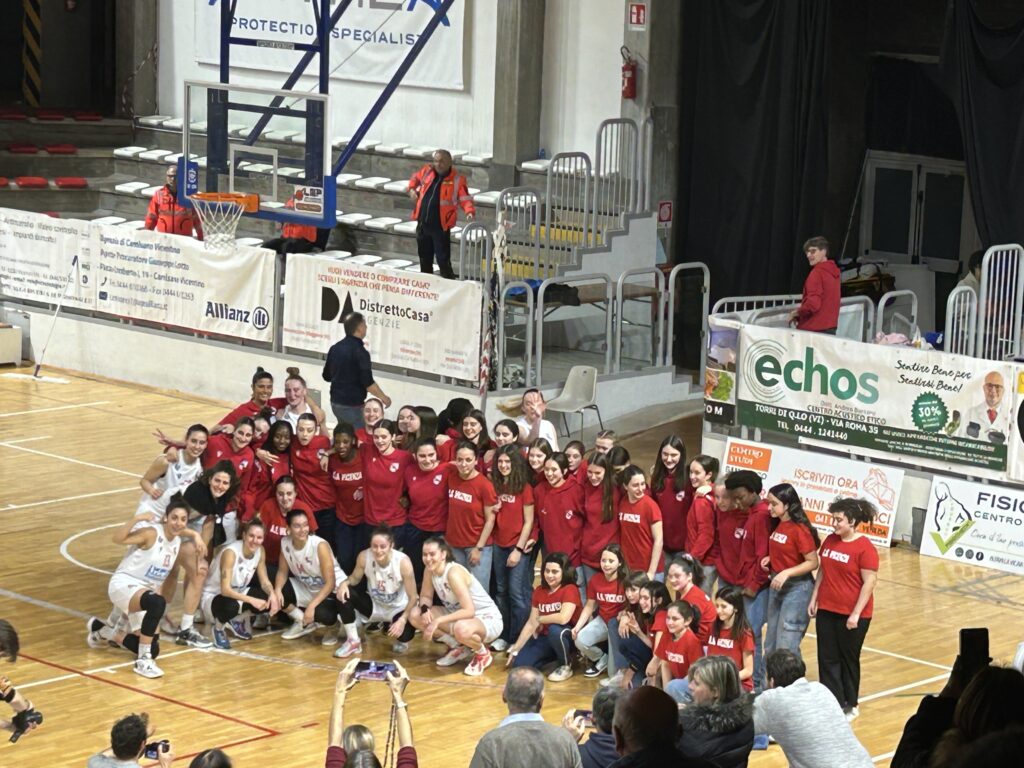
(173, 471)
(307, 575)
(467, 621)
(388, 595)
(230, 589)
(298, 402)
(134, 587)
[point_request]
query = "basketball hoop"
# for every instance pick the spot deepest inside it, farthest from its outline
(219, 213)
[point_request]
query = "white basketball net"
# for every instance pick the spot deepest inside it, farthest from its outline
(220, 221)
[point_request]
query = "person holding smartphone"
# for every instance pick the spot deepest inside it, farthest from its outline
(129, 743)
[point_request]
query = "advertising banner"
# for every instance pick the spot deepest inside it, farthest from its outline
(916, 406)
(820, 479)
(720, 371)
(416, 321)
(37, 253)
(368, 44)
(978, 524)
(175, 280)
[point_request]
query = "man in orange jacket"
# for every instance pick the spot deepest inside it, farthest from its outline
(439, 190)
(166, 214)
(295, 237)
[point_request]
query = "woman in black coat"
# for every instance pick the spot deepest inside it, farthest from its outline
(719, 725)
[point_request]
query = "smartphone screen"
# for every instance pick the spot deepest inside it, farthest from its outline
(974, 648)
(374, 670)
(587, 715)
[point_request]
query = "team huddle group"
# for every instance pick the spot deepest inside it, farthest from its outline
(435, 523)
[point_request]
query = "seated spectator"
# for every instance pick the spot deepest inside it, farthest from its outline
(128, 740)
(337, 752)
(646, 727)
(805, 718)
(973, 277)
(719, 725)
(995, 750)
(523, 739)
(295, 237)
(210, 758)
(598, 751)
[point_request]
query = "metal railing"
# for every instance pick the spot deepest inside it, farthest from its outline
(519, 208)
(567, 203)
(657, 298)
(474, 252)
(616, 175)
(730, 304)
(960, 336)
(647, 153)
(609, 297)
(670, 334)
(861, 306)
(502, 338)
(1000, 303)
(891, 298)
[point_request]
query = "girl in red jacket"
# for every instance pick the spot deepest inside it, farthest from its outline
(702, 521)
(671, 489)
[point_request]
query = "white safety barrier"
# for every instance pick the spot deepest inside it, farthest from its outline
(960, 336)
(1000, 303)
(616, 174)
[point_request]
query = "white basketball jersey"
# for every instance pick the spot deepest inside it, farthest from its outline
(151, 566)
(241, 573)
(304, 564)
(384, 582)
(481, 600)
(293, 418)
(176, 479)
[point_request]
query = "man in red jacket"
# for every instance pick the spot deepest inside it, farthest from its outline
(819, 308)
(166, 214)
(439, 190)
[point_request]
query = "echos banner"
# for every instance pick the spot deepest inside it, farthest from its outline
(918, 406)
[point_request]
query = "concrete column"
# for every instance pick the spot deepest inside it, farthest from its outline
(657, 51)
(136, 36)
(519, 55)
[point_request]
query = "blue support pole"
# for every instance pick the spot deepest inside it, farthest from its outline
(389, 89)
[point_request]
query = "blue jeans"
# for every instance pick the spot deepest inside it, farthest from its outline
(679, 689)
(325, 520)
(348, 542)
(756, 609)
(481, 570)
(616, 661)
(787, 615)
(413, 539)
(556, 645)
(353, 414)
(707, 584)
(513, 589)
(636, 653)
(588, 574)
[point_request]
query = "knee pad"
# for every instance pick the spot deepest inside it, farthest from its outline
(7, 691)
(152, 601)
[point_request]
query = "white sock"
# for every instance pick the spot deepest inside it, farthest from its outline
(295, 614)
(145, 649)
(352, 632)
(186, 622)
(448, 640)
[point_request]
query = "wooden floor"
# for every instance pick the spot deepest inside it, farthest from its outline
(70, 456)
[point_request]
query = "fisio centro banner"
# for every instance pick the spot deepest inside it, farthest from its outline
(38, 254)
(919, 407)
(414, 320)
(978, 524)
(175, 280)
(820, 479)
(368, 44)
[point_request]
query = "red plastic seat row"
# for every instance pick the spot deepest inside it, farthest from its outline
(61, 182)
(50, 115)
(4, 182)
(61, 149)
(22, 148)
(71, 182)
(31, 182)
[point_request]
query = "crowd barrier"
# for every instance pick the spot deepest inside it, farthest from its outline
(960, 334)
(1000, 303)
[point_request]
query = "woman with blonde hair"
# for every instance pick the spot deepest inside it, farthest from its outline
(719, 725)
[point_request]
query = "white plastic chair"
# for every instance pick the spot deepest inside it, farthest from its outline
(578, 394)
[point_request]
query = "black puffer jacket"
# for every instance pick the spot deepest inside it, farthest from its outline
(720, 733)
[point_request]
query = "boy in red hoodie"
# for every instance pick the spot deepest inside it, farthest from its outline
(819, 308)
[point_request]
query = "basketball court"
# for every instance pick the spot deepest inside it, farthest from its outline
(70, 457)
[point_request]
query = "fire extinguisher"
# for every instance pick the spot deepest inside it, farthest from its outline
(628, 74)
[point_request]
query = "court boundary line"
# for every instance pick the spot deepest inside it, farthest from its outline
(895, 655)
(69, 459)
(55, 408)
(97, 670)
(75, 561)
(12, 507)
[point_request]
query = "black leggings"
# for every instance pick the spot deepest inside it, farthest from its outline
(224, 608)
(326, 613)
(359, 600)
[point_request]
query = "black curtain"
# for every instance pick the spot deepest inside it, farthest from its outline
(754, 140)
(983, 71)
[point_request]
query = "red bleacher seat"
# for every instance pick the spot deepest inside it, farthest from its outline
(52, 214)
(71, 182)
(50, 114)
(61, 149)
(8, 113)
(31, 182)
(3, 181)
(87, 117)
(22, 148)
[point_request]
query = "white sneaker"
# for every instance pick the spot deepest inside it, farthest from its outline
(145, 666)
(260, 621)
(454, 656)
(349, 648)
(297, 630)
(615, 681)
(852, 714)
(561, 673)
(330, 636)
(480, 662)
(93, 638)
(499, 646)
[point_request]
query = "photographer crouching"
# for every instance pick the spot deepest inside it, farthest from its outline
(129, 743)
(25, 717)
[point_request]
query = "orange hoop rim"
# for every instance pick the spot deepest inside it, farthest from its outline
(250, 202)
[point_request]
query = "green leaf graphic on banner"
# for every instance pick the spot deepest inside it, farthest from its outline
(944, 545)
(929, 412)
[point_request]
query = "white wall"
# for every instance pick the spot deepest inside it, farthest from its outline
(460, 120)
(582, 71)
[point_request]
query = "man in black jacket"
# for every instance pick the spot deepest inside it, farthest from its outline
(599, 750)
(646, 728)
